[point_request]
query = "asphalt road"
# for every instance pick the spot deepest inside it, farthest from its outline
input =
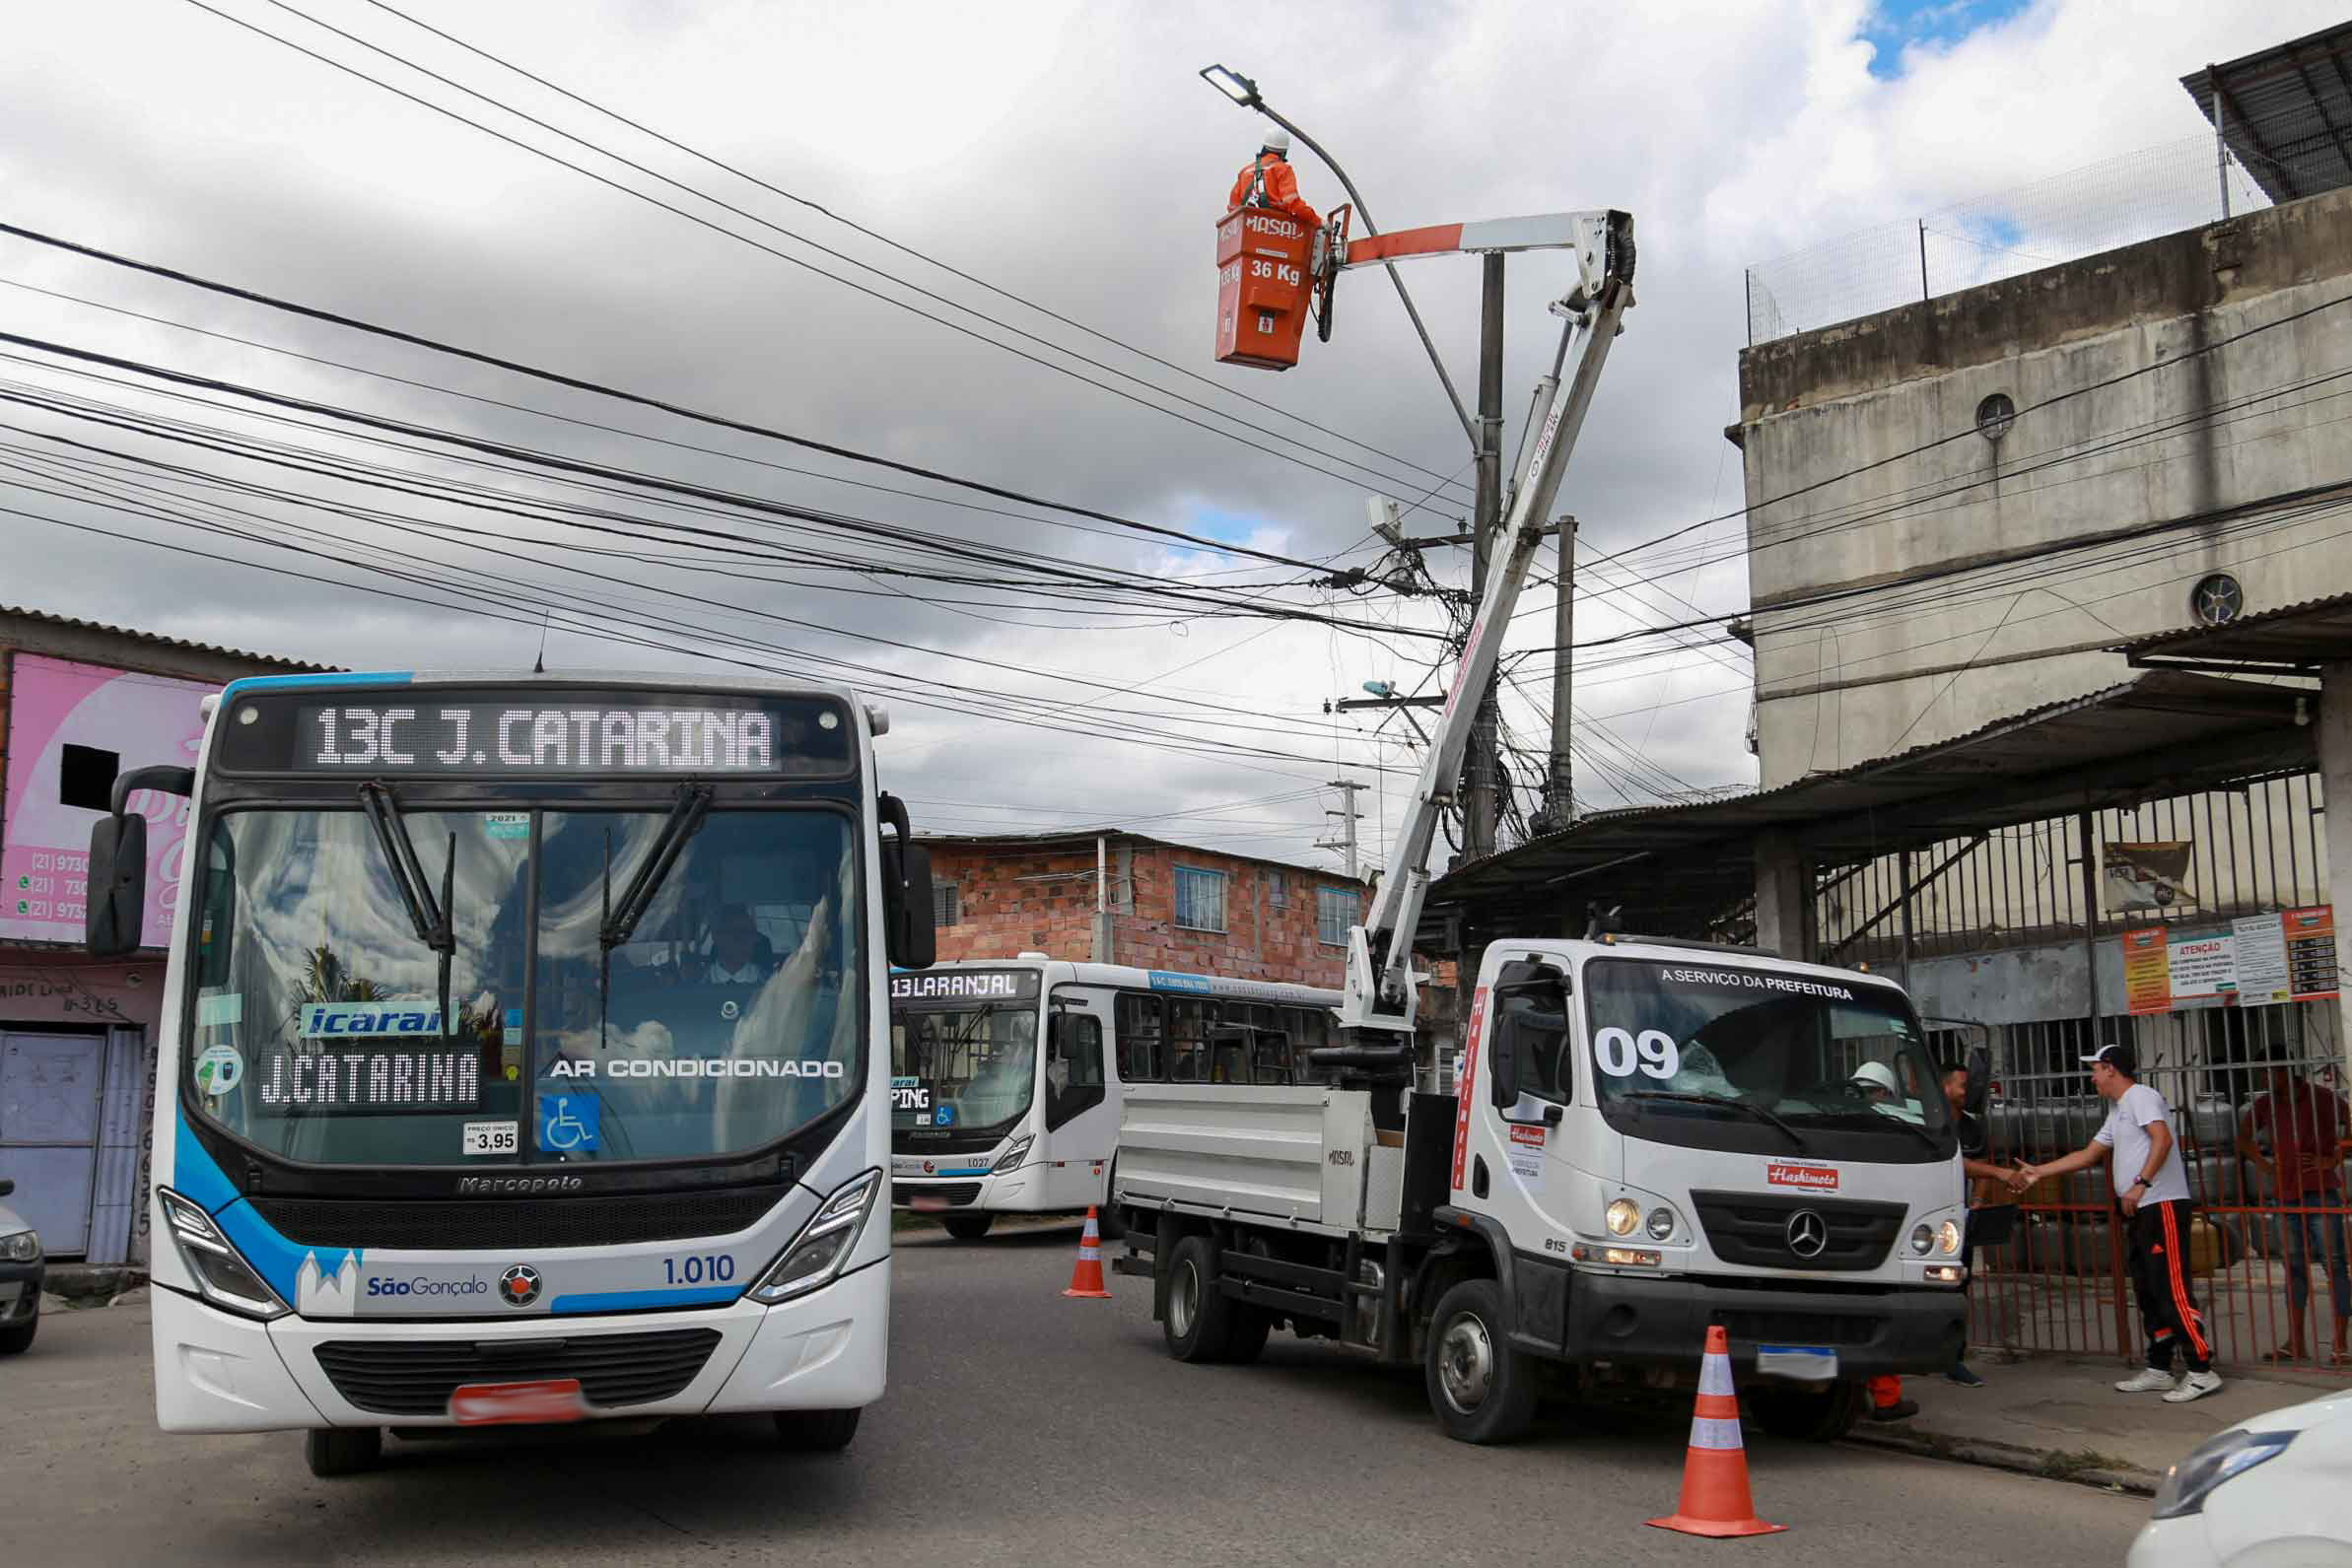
(1019, 1428)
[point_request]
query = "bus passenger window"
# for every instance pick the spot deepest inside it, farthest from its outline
(1072, 1066)
(1140, 1039)
(1188, 1027)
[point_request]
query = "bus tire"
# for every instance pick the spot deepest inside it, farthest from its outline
(817, 1431)
(1198, 1325)
(342, 1450)
(967, 1227)
(1482, 1388)
(1810, 1416)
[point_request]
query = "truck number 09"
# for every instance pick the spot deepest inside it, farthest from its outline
(1654, 1052)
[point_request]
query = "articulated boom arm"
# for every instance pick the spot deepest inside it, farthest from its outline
(1381, 987)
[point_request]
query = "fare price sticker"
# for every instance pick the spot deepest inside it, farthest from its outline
(492, 1138)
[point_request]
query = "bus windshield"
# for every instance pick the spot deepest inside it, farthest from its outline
(729, 1020)
(963, 1049)
(1722, 1056)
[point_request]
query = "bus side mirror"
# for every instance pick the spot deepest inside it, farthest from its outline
(116, 893)
(910, 936)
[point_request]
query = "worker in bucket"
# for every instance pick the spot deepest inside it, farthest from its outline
(1268, 181)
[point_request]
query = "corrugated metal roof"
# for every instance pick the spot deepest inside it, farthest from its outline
(155, 639)
(1677, 868)
(2296, 637)
(2286, 112)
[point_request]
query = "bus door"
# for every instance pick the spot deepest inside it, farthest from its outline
(1080, 1114)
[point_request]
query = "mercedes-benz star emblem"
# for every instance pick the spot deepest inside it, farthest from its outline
(1807, 1233)
(519, 1286)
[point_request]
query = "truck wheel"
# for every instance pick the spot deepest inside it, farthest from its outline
(1250, 1327)
(1200, 1322)
(1810, 1416)
(342, 1450)
(1483, 1390)
(817, 1431)
(967, 1227)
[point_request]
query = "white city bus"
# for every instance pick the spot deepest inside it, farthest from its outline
(523, 1057)
(984, 1121)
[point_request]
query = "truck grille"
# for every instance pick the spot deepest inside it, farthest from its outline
(503, 1224)
(1752, 1229)
(416, 1377)
(955, 1195)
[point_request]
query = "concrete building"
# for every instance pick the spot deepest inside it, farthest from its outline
(80, 702)
(1111, 896)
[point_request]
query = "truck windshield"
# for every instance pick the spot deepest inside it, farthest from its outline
(729, 1020)
(965, 1070)
(1717, 1057)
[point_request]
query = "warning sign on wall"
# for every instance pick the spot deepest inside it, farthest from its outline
(2265, 958)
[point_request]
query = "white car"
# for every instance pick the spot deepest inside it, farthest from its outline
(22, 1272)
(2269, 1492)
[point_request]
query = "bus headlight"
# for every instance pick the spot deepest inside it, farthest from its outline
(824, 1242)
(1922, 1239)
(1011, 1158)
(223, 1276)
(1948, 1238)
(1622, 1216)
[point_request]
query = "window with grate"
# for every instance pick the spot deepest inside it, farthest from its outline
(1335, 911)
(1200, 899)
(947, 907)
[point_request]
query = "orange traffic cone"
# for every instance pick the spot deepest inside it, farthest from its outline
(1715, 1500)
(1086, 1280)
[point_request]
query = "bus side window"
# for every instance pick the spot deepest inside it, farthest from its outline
(1188, 1027)
(1141, 1038)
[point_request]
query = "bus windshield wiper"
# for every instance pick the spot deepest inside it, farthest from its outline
(620, 923)
(431, 918)
(1756, 1111)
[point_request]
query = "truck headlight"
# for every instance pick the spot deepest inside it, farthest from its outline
(1922, 1239)
(1661, 1223)
(222, 1273)
(824, 1242)
(2187, 1483)
(1011, 1158)
(1948, 1236)
(23, 1247)
(1623, 1216)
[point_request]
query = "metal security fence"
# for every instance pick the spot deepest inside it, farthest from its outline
(2119, 201)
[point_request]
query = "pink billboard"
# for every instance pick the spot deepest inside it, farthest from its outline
(145, 720)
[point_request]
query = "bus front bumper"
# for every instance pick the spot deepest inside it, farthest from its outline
(1618, 1318)
(217, 1372)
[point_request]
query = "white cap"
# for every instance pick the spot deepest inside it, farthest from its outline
(1277, 140)
(1877, 1075)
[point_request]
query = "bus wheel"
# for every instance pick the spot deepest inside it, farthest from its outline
(342, 1450)
(1200, 1322)
(967, 1227)
(1809, 1415)
(817, 1431)
(1483, 1390)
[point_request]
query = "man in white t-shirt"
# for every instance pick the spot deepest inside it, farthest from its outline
(2152, 1190)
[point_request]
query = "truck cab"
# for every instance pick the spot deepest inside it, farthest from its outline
(1648, 1138)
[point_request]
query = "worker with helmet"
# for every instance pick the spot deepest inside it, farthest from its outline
(1268, 181)
(1876, 1082)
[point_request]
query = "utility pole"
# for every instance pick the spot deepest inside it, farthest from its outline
(1344, 840)
(1481, 803)
(1563, 687)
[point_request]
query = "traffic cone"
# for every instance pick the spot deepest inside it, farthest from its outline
(1715, 1500)
(1086, 1280)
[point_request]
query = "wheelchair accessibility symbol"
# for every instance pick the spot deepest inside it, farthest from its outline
(569, 1124)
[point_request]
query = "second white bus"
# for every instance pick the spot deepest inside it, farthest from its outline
(1007, 1075)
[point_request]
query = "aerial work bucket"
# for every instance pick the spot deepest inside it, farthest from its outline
(1262, 287)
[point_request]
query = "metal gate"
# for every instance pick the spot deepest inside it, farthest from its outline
(49, 1087)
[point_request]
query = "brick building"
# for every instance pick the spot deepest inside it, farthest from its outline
(1159, 905)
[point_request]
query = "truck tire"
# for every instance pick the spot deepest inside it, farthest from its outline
(1482, 1388)
(967, 1227)
(342, 1450)
(1198, 1325)
(1810, 1416)
(816, 1431)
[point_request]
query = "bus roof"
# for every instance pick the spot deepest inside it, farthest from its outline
(1171, 982)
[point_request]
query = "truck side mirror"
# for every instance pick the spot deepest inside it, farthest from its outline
(1980, 1086)
(1502, 1059)
(116, 894)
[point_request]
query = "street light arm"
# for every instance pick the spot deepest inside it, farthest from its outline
(1461, 413)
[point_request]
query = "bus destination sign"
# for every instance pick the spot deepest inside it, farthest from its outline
(476, 737)
(960, 988)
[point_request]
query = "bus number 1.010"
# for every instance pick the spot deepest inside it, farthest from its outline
(698, 1267)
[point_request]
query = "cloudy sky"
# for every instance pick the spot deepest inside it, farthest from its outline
(997, 162)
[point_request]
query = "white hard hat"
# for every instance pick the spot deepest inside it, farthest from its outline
(1277, 140)
(1878, 1076)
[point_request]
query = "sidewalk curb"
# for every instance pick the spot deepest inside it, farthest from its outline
(2054, 1464)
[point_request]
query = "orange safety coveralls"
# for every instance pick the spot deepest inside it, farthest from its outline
(1275, 183)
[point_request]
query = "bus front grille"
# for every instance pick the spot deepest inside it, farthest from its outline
(370, 1224)
(416, 1377)
(955, 1195)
